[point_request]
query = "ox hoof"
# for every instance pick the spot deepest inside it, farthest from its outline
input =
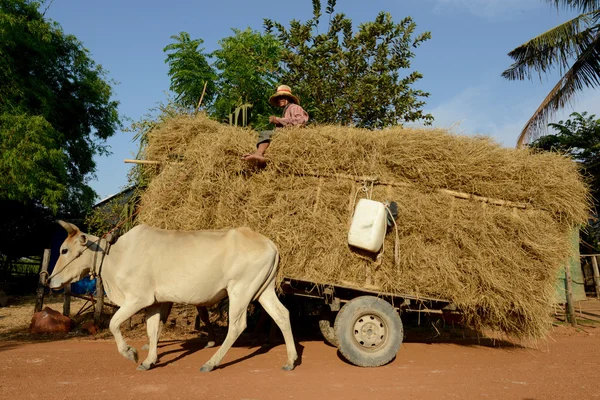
(131, 354)
(288, 367)
(207, 368)
(143, 367)
(145, 347)
(210, 344)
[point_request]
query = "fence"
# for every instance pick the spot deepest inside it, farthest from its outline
(591, 276)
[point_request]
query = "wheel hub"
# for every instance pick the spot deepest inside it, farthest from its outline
(370, 331)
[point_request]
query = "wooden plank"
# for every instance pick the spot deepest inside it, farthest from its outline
(39, 302)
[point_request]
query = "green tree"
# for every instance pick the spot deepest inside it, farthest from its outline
(189, 71)
(573, 47)
(248, 65)
(353, 78)
(55, 112)
(579, 137)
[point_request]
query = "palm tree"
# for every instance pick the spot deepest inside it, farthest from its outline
(573, 47)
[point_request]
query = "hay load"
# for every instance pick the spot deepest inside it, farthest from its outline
(483, 226)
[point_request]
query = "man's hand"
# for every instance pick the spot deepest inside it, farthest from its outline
(273, 119)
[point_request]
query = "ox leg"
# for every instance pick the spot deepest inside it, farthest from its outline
(165, 310)
(153, 315)
(203, 315)
(237, 323)
(123, 314)
(268, 299)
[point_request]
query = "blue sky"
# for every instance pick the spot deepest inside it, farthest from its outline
(461, 64)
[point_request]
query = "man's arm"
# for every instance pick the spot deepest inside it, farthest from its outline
(294, 116)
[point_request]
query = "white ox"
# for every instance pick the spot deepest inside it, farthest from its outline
(151, 268)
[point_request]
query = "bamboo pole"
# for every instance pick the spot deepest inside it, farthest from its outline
(141, 161)
(460, 195)
(596, 275)
(570, 307)
(201, 97)
(497, 202)
(67, 301)
(375, 180)
(39, 302)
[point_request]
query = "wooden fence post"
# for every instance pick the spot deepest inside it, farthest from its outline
(569, 295)
(99, 300)
(596, 275)
(39, 302)
(67, 301)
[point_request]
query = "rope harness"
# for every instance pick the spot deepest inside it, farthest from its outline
(110, 239)
(93, 273)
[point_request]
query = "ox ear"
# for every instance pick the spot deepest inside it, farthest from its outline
(83, 239)
(70, 228)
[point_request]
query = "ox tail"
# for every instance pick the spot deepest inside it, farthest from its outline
(272, 273)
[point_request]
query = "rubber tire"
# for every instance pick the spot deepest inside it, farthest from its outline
(350, 349)
(327, 330)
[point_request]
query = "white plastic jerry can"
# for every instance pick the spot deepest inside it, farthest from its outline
(369, 225)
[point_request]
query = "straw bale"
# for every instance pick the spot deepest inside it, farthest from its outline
(497, 264)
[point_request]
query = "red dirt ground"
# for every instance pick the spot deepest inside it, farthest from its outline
(567, 367)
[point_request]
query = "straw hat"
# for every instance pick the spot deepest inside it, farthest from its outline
(283, 91)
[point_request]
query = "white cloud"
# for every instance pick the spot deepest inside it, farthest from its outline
(485, 8)
(477, 110)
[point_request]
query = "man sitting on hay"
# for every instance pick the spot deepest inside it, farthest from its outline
(293, 115)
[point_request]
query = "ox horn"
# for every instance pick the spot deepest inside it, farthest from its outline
(71, 229)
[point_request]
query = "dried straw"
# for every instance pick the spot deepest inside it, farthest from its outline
(498, 264)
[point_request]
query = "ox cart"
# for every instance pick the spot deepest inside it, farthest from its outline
(363, 322)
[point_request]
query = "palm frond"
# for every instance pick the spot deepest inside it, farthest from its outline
(582, 6)
(585, 72)
(555, 47)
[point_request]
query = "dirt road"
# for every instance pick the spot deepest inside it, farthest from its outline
(567, 368)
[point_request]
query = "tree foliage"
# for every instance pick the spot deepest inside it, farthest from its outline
(189, 70)
(353, 78)
(55, 112)
(248, 69)
(574, 48)
(32, 163)
(579, 137)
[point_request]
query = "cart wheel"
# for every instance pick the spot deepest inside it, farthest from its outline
(326, 327)
(369, 331)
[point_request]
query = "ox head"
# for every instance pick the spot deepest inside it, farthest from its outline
(75, 259)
